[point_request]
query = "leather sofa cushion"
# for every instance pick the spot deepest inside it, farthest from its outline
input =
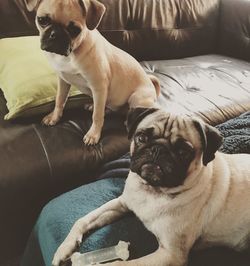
(39, 162)
(212, 87)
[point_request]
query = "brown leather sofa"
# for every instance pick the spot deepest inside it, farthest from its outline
(199, 49)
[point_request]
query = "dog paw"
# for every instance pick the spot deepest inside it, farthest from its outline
(91, 138)
(64, 252)
(51, 119)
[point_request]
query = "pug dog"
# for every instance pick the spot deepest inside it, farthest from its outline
(84, 58)
(183, 190)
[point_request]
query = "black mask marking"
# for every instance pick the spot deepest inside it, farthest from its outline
(56, 40)
(162, 165)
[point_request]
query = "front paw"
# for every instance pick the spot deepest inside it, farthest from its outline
(51, 119)
(92, 137)
(64, 252)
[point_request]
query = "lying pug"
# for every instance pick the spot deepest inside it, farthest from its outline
(183, 190)
(84, 58)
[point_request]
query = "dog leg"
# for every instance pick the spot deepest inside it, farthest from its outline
(99, 100)
(61, 98)
(104, 215)
(90, 107)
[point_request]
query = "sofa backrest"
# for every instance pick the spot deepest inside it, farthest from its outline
(235, 28)
(15, 20)
(147, 29)
(162, 29)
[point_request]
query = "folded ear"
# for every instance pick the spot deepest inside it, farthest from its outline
(211, 140)
(32, 4)
(94, 13)
(135, 116)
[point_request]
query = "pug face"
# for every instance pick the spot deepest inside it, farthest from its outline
(63, 25)
(166, 149)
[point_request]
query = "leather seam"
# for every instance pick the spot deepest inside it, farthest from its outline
(44, 149)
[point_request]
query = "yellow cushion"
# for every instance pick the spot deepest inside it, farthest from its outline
(27, 80)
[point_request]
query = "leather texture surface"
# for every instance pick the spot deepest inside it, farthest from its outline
(184, 41)
(212, 87)
(235, 28)
(15, 20)
(39, 162)
(147, 29)
(162, 29)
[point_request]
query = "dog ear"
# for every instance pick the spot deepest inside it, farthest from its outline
(32, 4)
(94, 13)
(135, 116)
(214, 141)
(211, 140)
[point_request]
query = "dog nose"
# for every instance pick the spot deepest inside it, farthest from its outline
(155, 151)
(151, 168)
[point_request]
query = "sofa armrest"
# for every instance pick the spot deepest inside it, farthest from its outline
(235, 28)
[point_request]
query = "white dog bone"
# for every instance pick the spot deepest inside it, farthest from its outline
(120, 251)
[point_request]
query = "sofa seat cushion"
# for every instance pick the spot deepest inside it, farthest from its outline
(39, 162)
(213, 87)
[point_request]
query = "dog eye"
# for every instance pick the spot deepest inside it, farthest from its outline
(184, 149)
(44, 21)
(73, 30)
(142, 138)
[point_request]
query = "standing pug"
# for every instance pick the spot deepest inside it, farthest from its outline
(180, 187)
(84, 58)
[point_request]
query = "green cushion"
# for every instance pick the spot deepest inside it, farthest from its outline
(27, 80)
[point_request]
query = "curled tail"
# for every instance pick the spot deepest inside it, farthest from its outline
(156, 84)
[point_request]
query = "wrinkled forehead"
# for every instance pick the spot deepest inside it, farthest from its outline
(61, 11)
(171, 126)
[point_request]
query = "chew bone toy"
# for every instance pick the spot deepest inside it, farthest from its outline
(120, 251)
